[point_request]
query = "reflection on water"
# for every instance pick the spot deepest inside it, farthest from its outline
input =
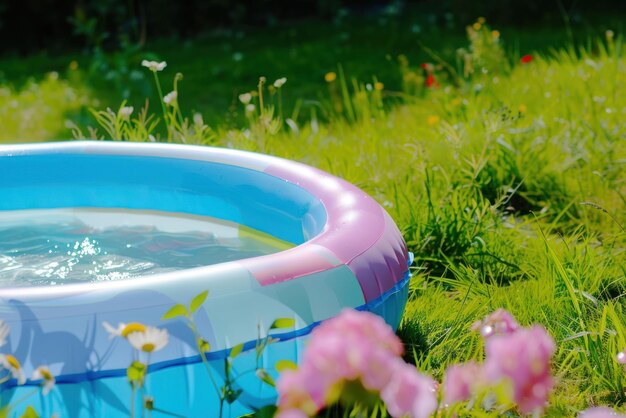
(59, 246)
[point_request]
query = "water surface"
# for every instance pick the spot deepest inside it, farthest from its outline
(62, 246)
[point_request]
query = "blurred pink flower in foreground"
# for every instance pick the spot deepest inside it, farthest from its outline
(410, 393)
(302, 390)
(356, 325)
(600, 412)
(522, 358)
(291, 413)
(460, 381)
(355, 347)
(497, 323)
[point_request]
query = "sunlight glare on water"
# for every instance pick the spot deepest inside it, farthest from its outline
(62, 246)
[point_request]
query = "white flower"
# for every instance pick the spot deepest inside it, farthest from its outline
(250, 108)
(9, 362)
(280, 82)
(170, 98)
(151, 340)
(125, 112)
(197, 119)
(153, 65)
(123, 330)
(151, 138)
(47, 380)
(245, 98)
(4, 332)
(114, 332)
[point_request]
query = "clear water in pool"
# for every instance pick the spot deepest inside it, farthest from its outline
(63, 246)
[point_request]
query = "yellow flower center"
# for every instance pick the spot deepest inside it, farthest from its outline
(133, 327)
(330, 77)
(147, 347)
(13, 362)
(45, 373)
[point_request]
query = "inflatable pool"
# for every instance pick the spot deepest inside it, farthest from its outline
(345, 252)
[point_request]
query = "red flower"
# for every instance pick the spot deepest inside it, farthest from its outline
(526, 59)
(425, 65)
(431, 81)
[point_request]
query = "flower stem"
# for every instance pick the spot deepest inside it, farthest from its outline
(23, 398)
(192, 325)
(260, 86)
(165, 119)
(132, 401)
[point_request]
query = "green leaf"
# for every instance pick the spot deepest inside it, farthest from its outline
(149, 403)
(265, 377)
(232, 395)
(265, 412)
(175, 311)
(236, 350)
(136, 371)
(283, 323)
(29, 413)
(203, 345)
(198, 301)
(285, 365)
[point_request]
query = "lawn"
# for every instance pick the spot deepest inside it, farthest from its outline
(507, 177)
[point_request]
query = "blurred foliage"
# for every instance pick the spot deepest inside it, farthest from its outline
(111, 23)
(39, 110)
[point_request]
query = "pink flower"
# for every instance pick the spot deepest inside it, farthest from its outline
(333, 357)
(379, 370)
(497, 323)
(301, 389)
(459, 382)
(409, 393)
(621, 357)
(522, 358)
(600, 412)
(356, 325)
(291, 413)
(352, 347)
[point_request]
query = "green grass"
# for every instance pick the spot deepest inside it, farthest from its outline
(509, 187)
